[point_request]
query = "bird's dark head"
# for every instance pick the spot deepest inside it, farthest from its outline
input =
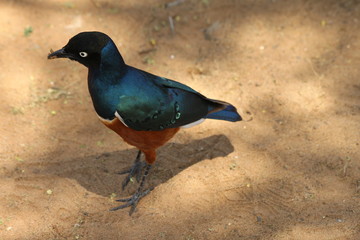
(85, 47)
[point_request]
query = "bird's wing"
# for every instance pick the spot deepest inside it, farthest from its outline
(163, 104)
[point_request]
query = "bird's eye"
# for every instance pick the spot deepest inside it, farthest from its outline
(83, 54)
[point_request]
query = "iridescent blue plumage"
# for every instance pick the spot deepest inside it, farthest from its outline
(145, 101)
(228, 114)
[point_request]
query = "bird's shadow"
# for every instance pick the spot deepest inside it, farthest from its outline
(99, 174)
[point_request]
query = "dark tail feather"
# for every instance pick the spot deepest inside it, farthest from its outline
(229, 113)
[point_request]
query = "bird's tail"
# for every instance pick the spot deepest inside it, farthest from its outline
(226, 112)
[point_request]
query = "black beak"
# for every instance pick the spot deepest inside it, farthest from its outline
(58, 54)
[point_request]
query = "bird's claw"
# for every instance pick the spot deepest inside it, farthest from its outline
(132, 201)
(135, 170)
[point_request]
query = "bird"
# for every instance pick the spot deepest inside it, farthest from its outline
(146, 110)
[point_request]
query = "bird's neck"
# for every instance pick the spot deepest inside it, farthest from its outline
(112, 66)
(111, 58)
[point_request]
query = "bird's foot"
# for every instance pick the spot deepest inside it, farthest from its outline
(132, 201)
(134, 171)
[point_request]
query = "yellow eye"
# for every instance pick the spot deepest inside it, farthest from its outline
(83, 54)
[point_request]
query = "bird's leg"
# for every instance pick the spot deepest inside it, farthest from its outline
(134, 199)
(135, 170)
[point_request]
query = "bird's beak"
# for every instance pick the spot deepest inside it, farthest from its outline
(61, 53)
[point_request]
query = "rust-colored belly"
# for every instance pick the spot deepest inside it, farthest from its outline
(146, 141)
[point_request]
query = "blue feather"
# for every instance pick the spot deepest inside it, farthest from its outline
(227, 114)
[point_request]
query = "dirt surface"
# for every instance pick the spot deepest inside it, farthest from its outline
(293, 172)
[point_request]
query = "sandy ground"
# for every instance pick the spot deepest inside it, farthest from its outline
(293, 172)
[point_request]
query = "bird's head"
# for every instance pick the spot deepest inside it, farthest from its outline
(85, 47)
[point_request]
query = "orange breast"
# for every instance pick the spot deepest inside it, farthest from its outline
(146, 141)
